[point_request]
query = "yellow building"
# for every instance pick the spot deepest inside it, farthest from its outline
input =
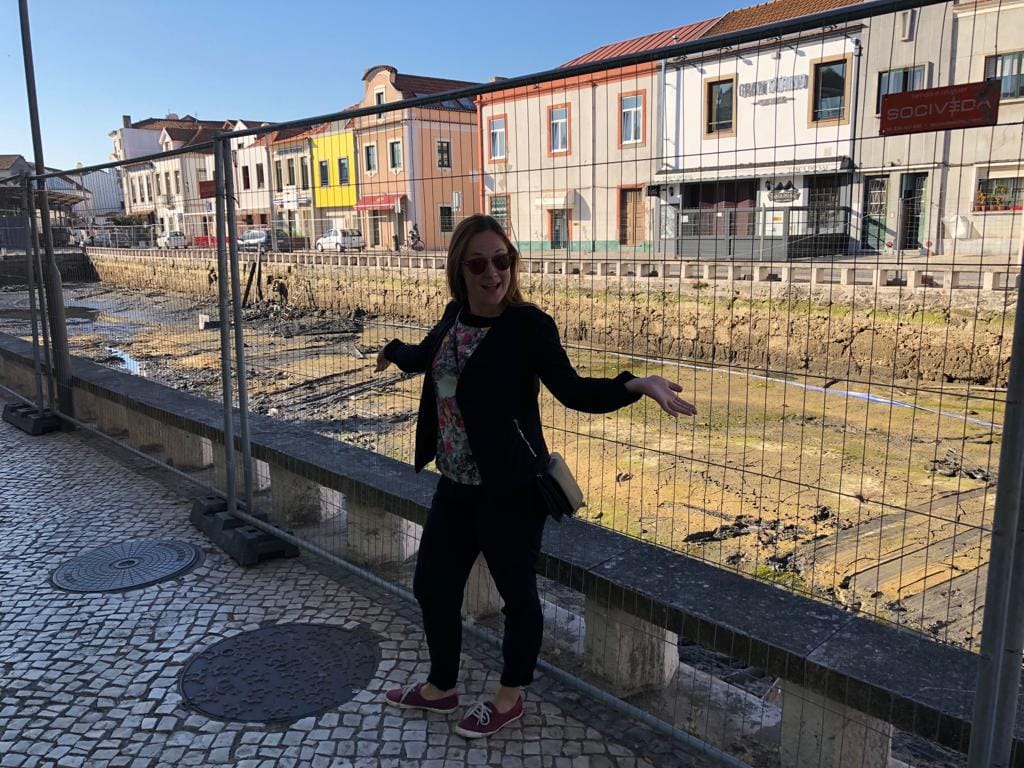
(334, 179)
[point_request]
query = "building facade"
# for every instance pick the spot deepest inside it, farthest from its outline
(335, 188)
(417, 165)
(566, 163)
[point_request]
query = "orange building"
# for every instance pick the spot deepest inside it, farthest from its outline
(416, 165)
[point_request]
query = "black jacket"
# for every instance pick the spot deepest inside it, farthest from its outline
(498, 390)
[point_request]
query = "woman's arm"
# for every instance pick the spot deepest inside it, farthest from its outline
(593, 395)
(590, 395)
(413, 358)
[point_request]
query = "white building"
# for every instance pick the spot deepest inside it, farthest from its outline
(756, 151)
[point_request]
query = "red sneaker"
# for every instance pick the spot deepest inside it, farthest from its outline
(483, 719)
(411, 698)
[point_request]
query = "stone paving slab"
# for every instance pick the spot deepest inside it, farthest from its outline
(92, 679)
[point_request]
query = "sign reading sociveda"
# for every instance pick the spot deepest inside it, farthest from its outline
(967, 105)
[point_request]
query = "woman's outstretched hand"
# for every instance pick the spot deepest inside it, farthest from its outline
(663, 392)
(382, 362)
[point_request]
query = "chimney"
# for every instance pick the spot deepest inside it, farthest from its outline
(126, 121)
(172, 115)
(497, 79)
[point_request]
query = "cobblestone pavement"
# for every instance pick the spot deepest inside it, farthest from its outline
(92, 679)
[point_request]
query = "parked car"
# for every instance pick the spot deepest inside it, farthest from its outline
(171, 240)
(341, 240)
(111, 238)
(260, 240)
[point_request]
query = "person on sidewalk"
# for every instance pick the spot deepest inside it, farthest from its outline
(479, 418)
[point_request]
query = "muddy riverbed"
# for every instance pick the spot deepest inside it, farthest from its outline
(874, 494)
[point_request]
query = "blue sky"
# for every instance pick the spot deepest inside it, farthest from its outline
(217, 59)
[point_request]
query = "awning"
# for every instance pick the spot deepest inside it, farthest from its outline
(379, 202)
(555, 199)
(756, 170)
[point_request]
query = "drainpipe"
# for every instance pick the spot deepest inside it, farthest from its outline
(659, 148)
(480, 154)
(593, 164)
(857, 53)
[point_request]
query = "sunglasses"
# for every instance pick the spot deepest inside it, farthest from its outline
(478, 264)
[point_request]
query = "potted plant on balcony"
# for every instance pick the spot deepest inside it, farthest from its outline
(981, 201)
(999, 198)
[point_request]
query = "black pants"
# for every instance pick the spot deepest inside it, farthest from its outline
(463, 521)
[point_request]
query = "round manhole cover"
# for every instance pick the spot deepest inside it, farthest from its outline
(280, 673)
(127, 565)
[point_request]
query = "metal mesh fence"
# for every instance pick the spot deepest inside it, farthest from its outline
(836, 301)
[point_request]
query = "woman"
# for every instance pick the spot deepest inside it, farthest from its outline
(479, 418)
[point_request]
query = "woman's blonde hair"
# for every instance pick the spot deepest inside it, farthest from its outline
(468, 228)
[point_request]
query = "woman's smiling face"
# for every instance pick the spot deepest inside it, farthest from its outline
(486, 290)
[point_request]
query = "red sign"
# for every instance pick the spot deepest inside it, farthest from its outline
(939, 109)
(207, 188)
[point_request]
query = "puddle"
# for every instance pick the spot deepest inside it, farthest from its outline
(122, 358)
(73, 315)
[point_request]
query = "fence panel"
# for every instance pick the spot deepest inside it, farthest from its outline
(837, 300)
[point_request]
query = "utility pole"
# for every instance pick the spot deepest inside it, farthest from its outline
(51, 275)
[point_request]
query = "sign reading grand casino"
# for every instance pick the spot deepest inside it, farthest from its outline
(773, 86)
(967, 105)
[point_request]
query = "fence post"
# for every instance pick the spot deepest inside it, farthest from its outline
(225, 340)
(995, 703)
(51, 277)
(30, 268)
(236, 304)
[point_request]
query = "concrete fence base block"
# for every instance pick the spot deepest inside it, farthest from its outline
(629, 653)
(260, 472)
(820, 733)
(375, 536)
(295, 500)
(186, 451)
(481, 598)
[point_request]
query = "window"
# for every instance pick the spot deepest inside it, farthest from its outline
(898, 81)
(246, 183)
(325, 173)
(177, 182)
(291, 171)
(497, 132)
(167, 182)
(371, 158)
(395, 155)
(1000, 194)
(499, 209)
(907, 19)
(446, 217)
(631, 109)
(149, 190)
(558, 128)
(1009, 68)
(304, 168)
(134, 199)
(159, 190)
(378, 98)
(343, 171)
(829, 91)
(721, 104)
(444, 154)
(260, 181)
(277, 175)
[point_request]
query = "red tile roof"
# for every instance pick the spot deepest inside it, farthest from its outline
(416, 84)
(777, 10)
(6, 161)
(647, 42)
(181, 122)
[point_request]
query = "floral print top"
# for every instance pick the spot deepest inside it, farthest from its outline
(454, 457)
